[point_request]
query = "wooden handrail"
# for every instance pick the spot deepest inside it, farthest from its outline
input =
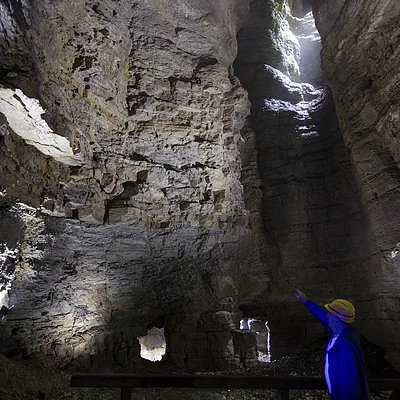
(195, 381)
(214, 382)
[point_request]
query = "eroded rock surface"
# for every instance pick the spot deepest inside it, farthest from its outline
(144, 105)
(149, 183)
(360, 62)
(317, 232)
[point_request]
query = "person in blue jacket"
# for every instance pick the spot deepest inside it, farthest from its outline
(344, 360)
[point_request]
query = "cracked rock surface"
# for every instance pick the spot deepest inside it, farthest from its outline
(122, 188)
(360, 62)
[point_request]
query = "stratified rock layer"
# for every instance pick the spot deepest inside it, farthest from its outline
(151, 111)
(144, 224)
(317, 234)
(361, 62)
(93, 291)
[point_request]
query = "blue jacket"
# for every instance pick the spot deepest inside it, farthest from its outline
(346, 370)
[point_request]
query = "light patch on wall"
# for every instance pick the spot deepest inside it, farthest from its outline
(395, 251)
(261, 328)
(24, 119)
(153, 345)
(6, 272)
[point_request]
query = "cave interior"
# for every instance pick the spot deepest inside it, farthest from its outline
(170, 172)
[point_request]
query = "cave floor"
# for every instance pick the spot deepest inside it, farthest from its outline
(35, 379)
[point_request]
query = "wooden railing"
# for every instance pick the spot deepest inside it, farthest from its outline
(282, 385)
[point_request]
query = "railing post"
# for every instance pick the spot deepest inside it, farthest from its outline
(126, 393)
(282, 394)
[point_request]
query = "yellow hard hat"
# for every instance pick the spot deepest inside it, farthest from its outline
(343, 309)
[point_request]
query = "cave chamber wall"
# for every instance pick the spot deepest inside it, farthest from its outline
(360, 59)
(123, 179)
(140, 193)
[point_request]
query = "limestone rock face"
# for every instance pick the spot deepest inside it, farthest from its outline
(360, 60)
(130, 171)
(368, 118)
(28, 146)
(81, 290)
(144, 96)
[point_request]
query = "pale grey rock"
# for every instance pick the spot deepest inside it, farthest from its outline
(123, 112)
(72, 300)
(23, 117)
(144, 95)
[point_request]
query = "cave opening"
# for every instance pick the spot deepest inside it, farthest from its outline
(153, 346)
(260, 327)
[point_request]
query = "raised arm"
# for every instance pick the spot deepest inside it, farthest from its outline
(301, 296)
(316, 310)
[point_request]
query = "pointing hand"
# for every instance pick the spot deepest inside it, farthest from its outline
(301, 296)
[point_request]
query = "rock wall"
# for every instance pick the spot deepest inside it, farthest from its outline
(143, 105)
(360, 62)
(141, 220)
(316, 225)
(81, 290)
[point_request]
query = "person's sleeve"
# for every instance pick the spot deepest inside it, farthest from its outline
(351, 377)
(319, 313)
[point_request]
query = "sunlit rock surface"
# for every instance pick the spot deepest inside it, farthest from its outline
(144, 105)
(34, 160)
(316, 235)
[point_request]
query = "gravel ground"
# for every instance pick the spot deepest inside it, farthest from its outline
(37, 379)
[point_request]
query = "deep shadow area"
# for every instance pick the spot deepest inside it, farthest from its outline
(47, 382)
